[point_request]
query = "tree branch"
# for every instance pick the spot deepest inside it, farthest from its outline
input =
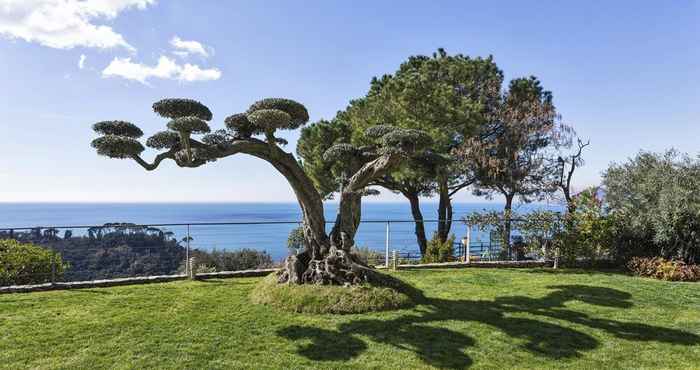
(156, 162)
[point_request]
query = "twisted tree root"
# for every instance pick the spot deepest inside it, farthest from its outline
(338, 267)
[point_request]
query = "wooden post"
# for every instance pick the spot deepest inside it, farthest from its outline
(556, 258)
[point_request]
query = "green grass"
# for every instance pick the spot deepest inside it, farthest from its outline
(332, 299)
(472, 317)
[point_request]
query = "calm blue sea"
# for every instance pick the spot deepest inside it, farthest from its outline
(271, 238)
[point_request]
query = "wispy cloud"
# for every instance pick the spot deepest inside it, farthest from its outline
(81, 61)
(166, 68)
(65, 24)
(185, 48)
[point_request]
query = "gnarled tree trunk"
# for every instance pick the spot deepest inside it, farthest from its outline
(329, 259)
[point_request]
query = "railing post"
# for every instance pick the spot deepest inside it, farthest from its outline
(188, 268)
(53, 267)
(467, 257)
(386, 246)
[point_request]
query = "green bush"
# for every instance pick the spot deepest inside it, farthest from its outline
(222, 260)
(655, 203)
(25, 263)
(588, 233)
(295, 240)
(664, 269)
(438, 251)
(369, 256)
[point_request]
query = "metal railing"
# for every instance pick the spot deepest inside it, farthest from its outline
(89, 252)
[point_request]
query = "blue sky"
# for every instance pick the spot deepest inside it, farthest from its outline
(624, 74)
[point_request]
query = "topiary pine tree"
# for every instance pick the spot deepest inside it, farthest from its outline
(327, 258)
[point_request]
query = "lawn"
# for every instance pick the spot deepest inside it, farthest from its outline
(483, 318)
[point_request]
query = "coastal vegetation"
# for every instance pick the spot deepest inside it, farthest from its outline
(111, 251)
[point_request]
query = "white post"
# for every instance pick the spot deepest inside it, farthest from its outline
(396, 260)
(187, 253)
(467, 258)
(386, 247)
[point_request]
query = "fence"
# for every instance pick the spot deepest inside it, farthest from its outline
(122, 250)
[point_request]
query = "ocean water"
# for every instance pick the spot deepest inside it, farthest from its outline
(269, 237)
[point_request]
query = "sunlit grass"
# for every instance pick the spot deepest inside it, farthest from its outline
(481, 318)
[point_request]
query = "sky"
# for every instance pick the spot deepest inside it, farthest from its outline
(624, 74)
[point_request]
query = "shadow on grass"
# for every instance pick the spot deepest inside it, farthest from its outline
(444, 348)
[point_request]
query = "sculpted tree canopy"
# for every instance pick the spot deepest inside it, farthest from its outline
(444, 96)
(327, 258)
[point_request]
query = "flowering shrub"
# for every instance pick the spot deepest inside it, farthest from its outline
(664, 269)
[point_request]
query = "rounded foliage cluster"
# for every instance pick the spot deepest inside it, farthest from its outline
(296, 111)
(198, 154)
(341, 151)
(120, 128)
(191, 124)
(114, 146)
(241, 126)
(323, 299)
(218, 137)
(408, 140)
(163, 140)
(379, 130)
(177, 108)
(270, 119)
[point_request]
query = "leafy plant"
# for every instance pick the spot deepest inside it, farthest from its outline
(439, 251)
(295, 240)
(369, 256)
(663, 269)
(655, 203)
(222, 260)
(26, 263)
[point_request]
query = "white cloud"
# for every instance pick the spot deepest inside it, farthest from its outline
(81, 61)
(184, 48)
(65, 24)
(165, 69)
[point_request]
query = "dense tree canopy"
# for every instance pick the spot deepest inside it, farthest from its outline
(655, 202)
(444, 96)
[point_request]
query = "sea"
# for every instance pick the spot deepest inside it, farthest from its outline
(230, 226)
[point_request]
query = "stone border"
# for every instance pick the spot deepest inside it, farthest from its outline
(131, 281)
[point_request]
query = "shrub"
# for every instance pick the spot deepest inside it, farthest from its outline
(242, 259)
(25, 263)
(369, 256)
(655, 202)
(663, 269)
(295, 240)
(438, 251)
